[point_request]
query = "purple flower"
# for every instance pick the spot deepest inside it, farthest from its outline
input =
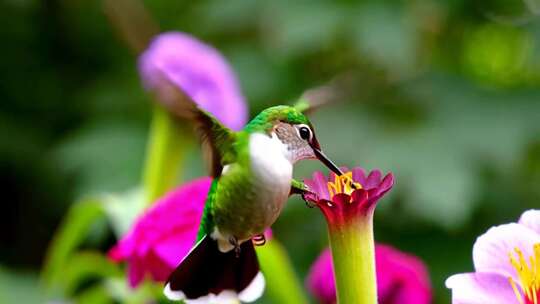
(507, 265)
(164, 234)
(401, 278)
(197, 69)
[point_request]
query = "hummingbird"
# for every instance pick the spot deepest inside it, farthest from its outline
(252, 172)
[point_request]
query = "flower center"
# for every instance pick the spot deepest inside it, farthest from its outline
(528, 275)
(342, 184)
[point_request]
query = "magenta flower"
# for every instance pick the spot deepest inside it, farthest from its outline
(507, 265)
(197, 69)
(401, 278)
(164, 234)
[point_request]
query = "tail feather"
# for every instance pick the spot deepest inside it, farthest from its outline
(207, 273)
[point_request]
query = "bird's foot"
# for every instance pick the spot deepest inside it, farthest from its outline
(308, 203)
(258, 240)
(234, 242)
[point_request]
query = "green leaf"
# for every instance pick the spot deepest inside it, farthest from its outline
(166, 147)
(19, 288)
(72, 232)
(97, 294)
(148, 291)
(87, 264)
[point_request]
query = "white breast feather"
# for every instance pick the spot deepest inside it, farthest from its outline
(271, 165)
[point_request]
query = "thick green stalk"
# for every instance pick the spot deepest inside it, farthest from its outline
(165, 152)
(353, 252)
(282, 283)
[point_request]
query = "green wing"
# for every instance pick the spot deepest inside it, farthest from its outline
(207, 220)
(217, 140)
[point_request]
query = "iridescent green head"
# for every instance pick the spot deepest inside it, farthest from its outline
(270, 116)
(294, 130)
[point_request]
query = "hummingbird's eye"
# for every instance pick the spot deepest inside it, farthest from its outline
(305, 133)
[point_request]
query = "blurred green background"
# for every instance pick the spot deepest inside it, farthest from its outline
(446, 95)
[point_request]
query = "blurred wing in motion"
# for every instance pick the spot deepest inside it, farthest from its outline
(217, 140)
(314, 98)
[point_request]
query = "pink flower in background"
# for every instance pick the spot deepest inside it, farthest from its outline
(198, 70)
(507, 265)
(401, 278)
(164, 234)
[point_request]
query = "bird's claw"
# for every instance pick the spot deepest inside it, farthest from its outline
(308, 203)
(259, 240)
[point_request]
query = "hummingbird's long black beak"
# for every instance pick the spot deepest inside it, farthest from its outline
(326, 161)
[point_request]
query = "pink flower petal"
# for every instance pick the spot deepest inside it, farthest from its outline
(115, 254)
(318, 185)
(373, 183)
(531, 220)
(268, 234)
(175, 248)
(359, 175)
(320, 280)
(401, 277)
(492, 249)
(197, 69)
(122, 250)
(135, 271)
(387, 183)
(481, 288)
(373, 179)
(384, 186)
(157, 267)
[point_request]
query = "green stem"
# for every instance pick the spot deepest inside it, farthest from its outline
(282, 283)
(353, 252)
(165, 151)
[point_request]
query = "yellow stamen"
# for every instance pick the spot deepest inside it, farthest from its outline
(343, 184)
(516, 291)
(528, 275)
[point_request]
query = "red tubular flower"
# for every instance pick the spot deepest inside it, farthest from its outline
(348, 202)
(342, 202)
